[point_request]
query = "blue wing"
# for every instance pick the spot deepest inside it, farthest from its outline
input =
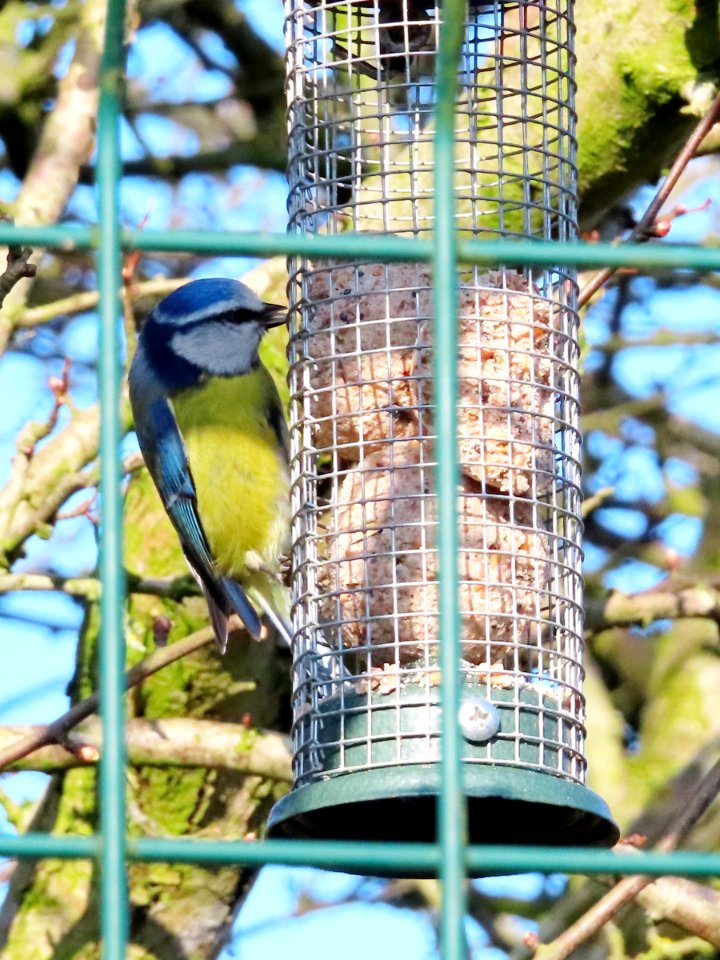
(166, 458)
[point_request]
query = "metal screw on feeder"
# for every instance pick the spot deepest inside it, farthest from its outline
(479, 719)
(366, 680)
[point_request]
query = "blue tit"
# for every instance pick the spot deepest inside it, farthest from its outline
(212, 431)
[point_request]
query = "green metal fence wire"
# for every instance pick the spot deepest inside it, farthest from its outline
(451, 856)
(350, 246)
(452, 806)
(369, 858)
(113, 885)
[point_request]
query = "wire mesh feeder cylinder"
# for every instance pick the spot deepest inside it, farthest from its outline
(366, 681)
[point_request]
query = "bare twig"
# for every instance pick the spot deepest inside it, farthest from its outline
(265, 150)
(35, 431)
(643, 230)
(88, 300)
(66, 142)
(84, 509)
(612, 417)
(87, 587)
(625, 891)
(174, 588)
(55, 731)
(661, 338)
(590, 504)
(17, 265)
(39, 483)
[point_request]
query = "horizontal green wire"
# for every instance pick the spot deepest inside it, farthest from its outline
(31, 846)
(366, 857)
(349, 245)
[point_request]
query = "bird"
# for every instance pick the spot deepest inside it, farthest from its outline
(212, 432)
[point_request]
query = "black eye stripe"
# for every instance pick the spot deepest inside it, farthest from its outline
(243, 316)
(234, 318)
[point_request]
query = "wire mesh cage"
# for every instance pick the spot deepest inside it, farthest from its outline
(361, 95)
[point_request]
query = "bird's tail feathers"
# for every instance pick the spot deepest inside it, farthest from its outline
(219, 616)
(242, 606)
(223, 598)
(276, 619)
(219, 608)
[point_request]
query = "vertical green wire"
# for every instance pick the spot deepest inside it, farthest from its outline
(452, 807)
(113, 887)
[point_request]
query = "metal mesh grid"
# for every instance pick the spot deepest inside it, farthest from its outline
(361, 94)
(361, 91)
(361, 101)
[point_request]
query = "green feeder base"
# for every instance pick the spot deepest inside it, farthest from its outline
(508, 803)
(505, 805)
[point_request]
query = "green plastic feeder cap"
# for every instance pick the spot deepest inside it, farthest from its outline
(377, 785)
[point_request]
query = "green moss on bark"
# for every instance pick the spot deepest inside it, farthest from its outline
(639, 64)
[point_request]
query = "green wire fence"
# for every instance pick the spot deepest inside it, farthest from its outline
(451, 856)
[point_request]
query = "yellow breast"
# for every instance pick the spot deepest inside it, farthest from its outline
(239, 471)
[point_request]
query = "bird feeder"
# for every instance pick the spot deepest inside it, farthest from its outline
(366, 697)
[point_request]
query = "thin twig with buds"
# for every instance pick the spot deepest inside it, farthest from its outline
(645, 227)
(18, 267)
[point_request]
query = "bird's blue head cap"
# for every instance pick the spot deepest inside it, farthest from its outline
(208, 326)
(202, 300)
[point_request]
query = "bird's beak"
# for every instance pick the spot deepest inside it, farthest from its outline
(274, 315)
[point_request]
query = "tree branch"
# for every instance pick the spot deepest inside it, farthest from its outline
(261, 152)
(660, 338)
(686, 903)
(174, 588)
(611, 418)
(17, 266)
(40, 483)
(661, 603)
(55, 731)
(88, 300)
(65, 144)
(625, 891)
(168, 742)
(643, 229)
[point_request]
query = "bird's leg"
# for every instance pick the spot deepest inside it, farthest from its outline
(255, 563)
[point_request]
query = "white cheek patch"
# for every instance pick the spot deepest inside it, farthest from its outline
(222, 349)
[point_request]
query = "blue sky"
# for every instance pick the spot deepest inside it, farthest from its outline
(39, 631)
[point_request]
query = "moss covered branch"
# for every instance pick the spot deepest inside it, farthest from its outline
(169, 742)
